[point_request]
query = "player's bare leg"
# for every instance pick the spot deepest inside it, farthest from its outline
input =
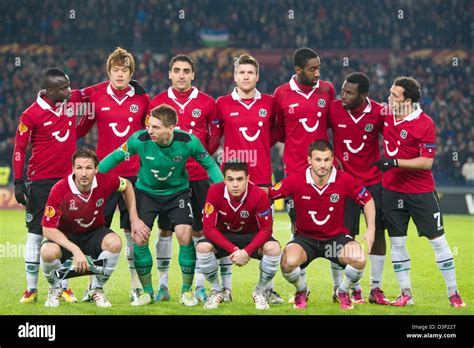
(354, 258)
(163, 259)
(187, 262)
(292, 258)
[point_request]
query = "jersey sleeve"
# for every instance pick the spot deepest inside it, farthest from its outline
(120, 154)
(210, 220)
(357, 192)
(22, 138)
(279, 118)
(282, 189)
(263, 215)
(428, 142)
(199, 153)
(52, 211)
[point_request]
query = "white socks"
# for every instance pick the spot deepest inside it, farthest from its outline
(445, 262)
(32, 259)
(163, 259)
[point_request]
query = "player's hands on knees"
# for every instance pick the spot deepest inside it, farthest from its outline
(21, 192)
(140, 232)
(80, 262)
(369, 237)
(239, 257)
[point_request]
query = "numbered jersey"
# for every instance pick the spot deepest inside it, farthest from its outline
(320, 210)
(247, 133)
(196, 111)
(356, 140)
(117, 119)
(73, 212)
(412, 137)
(302, 118)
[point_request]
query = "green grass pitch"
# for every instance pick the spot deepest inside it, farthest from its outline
(428, 285)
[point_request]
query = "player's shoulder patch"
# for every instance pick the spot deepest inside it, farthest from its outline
(208, 208)
(49, 211)
(22, 128)
(277, 186)
(122, 185)
(265, 212)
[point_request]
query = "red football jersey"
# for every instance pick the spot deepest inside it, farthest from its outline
(117, 119)
(247, 132)
(250, 214)
(52, 132)
(302, 119)
(196, 111)
(414, 136)
(356, 140)
(74, 213)
(320, 210)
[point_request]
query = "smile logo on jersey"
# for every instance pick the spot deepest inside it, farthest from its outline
(208, 208)
(49, 211)
(177, 158)
(196, 113)
(134, 108)
(99, 202)
(403, 134)
(277, 186)
(262, 113)
(244, 214)
(22, 128)
(322, 103)
(334, 198)
(369, 127)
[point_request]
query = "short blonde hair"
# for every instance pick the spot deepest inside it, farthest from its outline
(245, 59)
(166, 114)
(121, 57)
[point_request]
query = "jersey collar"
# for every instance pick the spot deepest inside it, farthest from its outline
(368, 108)
(310, 181)
(413, 116)
(75, 190)
(45, 106)
(172, 96)
(236, 97)
(294, 87)
(130, 93)
(227, 197)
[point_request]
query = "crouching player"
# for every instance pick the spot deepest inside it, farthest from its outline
(237, 223)
(73, 223)
(319, 194)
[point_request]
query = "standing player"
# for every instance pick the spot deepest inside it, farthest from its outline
(196, 111)
(73, 224)
(302, 111)
(163, 188)
(356, 123)
(120, 111)
(409, 190)
(50, 125)
(320, 193)
(238, 222)
(246, 119)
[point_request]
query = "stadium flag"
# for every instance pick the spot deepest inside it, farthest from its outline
(214, 38)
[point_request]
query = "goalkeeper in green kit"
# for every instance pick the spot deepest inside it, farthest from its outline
(162, 189)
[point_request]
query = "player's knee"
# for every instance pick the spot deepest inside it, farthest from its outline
(203, 247)
(50, 252)
(288, 263)
(112, 243)
(271, 248)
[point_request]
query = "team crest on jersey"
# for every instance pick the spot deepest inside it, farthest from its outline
(69, 112)
(49, 211)
(244, 214)
(369, 127)
(22, 128)
(322, 102)
(262, 113)
(334, 198)
(99, 202)
(277, 186)
(72, 205)
(196, 113)
(177, 158)
(208, 208)
(134, 108)
(403, 134)
(29, 217)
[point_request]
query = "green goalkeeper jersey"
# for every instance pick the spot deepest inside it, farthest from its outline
(162, 168)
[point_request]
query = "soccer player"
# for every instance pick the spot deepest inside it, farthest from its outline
(320, 193)
(238, 222)
(302, 111)
(163, 187)
(356, 123)
(73, 224)
(50, 125)
(246, 119)
(196, 111)
(409, 189)
(120, 111)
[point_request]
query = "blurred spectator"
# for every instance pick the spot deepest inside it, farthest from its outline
(468, 171)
